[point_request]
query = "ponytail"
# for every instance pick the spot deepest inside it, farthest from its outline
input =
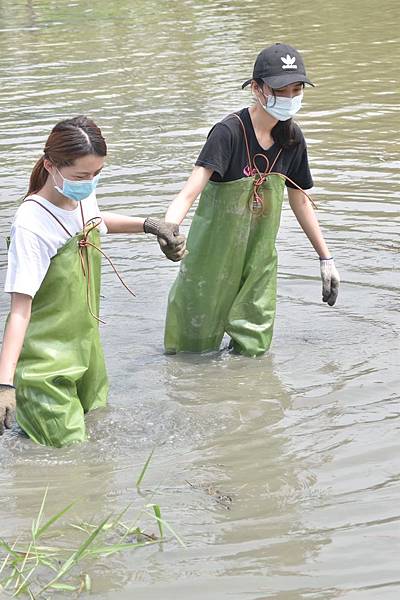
(38, 177)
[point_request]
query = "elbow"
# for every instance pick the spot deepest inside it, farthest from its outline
(299, 202)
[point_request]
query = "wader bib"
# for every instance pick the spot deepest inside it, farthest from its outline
(61, 371)
(227, 282)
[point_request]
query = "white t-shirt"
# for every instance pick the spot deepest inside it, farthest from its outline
(36, 237)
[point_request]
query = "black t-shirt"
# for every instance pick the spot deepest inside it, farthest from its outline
(225, 153)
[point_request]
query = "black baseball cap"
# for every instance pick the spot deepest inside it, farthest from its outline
(279, 65)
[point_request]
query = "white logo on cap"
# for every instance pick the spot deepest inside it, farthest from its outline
(288, 62)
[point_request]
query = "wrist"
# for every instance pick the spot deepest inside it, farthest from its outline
(151, 225)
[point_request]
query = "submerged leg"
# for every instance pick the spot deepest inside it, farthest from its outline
(252, 315)
(92, 387)
(50, 412)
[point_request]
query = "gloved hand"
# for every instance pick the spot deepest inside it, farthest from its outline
(330, 280)
(7, 406)
(171, 243)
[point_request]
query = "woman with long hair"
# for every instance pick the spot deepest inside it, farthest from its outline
(51, 348)
(227, 281)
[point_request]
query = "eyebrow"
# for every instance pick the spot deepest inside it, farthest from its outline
(88, 172)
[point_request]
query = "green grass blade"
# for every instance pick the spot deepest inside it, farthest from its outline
(87, 582)
(24, 584)
(164, 523)
(14, 574)
(52, 520)
(78, 527)
(6, 582)
(64, 587)
(27, 553)
(36, 522)
(2, 542)
(74, 558)
(10, 550)
(143, 471)
(157, 512)
(91, 538)
(117, 520)
(49, 564)
(112, 549)
(31, 596)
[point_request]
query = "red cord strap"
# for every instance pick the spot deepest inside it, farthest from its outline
(83, 244)
(257, 205)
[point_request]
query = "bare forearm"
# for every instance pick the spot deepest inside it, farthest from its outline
(195, 184)
(308, 221)
(179, 208)
(14, 336)
(117, 223)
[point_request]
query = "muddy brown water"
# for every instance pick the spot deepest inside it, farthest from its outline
(304, 441)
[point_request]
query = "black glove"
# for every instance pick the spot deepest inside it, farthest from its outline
(171, 243)
(7, 406)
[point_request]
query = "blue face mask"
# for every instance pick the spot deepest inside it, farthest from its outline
(77, 190)
(281, 107)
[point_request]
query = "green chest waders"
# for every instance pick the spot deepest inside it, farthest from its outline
(61, 371)
(227, 282)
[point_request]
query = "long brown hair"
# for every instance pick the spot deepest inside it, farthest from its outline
(68, 140)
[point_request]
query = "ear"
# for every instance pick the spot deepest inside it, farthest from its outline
(255, 88)
(48, 165)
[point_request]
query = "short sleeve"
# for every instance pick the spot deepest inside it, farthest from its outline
(92, 210)
(217, 151)
(28, 262)
(299, 169)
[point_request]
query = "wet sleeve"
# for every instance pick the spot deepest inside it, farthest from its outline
(299, 170)
(217, 151)
(28, 262)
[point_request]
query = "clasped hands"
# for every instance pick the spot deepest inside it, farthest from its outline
(172, 243)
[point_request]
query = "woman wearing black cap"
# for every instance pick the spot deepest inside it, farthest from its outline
(227, 282)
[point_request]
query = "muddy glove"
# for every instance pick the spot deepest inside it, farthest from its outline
(7, 406)
(171, 243)
(330, 280)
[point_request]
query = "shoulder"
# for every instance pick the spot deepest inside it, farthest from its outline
(230, 124)
(299, 134)
(297, 129)
(91, 210)
(39, 217)
(229, 131)
(235, 122)
(29, 215)
(90, 203)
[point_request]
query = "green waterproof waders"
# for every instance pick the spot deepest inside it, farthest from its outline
(227, 282)
(61, 372)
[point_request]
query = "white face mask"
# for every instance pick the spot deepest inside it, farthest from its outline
(281, 107)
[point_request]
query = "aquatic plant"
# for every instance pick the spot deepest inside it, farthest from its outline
(31, 567)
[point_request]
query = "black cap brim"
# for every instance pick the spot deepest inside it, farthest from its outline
(281, 80)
